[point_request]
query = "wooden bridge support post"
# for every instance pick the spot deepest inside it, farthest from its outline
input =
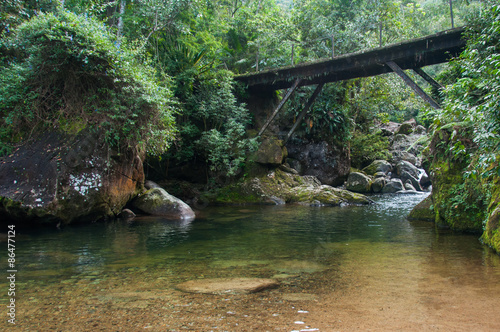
(304, 111)
(412, 84)
(428, 78)
(283, 101)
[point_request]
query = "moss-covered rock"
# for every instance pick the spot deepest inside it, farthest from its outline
(458, 204)
(158, 202)
(423, 211)
(491, 234)
(271, 151)
(359, 183)
(279, 187)
(378, 166)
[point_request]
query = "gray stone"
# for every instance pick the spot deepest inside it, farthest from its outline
(358, 182)
(328, 162)
(405, 166)
(398, 156)
(126, 214)
(378, 184)
(380, 175)
(158, 202)
(393, 186)
(408, 178)
(378, 166)
(408, 186)
(148, 184)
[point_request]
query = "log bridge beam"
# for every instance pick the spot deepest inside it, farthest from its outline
(413, 54)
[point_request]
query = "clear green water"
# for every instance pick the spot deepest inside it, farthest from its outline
(81, 276)
(257, 237)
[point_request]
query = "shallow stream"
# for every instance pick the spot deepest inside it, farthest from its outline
(341, 269)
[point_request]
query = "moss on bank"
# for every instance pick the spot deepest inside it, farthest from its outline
(462, 203)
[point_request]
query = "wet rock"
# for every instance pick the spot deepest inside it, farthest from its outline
(380, 175)
(378, 166)
(378, 184)
(126, 214)
(158, 202)
(271, 152)
(278, 186)
(223, 286)
(330, 163)
(408, 178)
(358, 182)
(423, 211)
(324, 195)
(398, 156)
(67, 178)
(408, 186)
(392, 186)
(405, 167)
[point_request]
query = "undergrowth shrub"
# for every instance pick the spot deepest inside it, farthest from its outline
(63, 71)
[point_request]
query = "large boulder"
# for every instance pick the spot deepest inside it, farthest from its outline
(330, 163)
(358, 182)
(408, 178)
(278, 187)
(378, 184)
(406, 168)
(423, 211)
(67, 178)
(271, 151)
(393, 186)
(378, 166)
(158, 202)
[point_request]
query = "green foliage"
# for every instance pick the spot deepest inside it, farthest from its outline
(466, 205)
(65, 68)
(327, 118)
(366, 148)
(213, 126)
(475, 96)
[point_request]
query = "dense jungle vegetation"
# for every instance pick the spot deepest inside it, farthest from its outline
(158, 73)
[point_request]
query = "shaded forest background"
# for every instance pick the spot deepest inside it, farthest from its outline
(158, 73)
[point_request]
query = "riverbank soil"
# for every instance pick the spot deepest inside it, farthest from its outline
(373, 287)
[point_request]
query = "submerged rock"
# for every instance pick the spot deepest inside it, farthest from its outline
(158, 202)
(222, 286)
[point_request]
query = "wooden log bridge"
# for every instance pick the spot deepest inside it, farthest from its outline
(412, 54)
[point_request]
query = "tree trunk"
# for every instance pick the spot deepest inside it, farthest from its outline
(123, 3)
